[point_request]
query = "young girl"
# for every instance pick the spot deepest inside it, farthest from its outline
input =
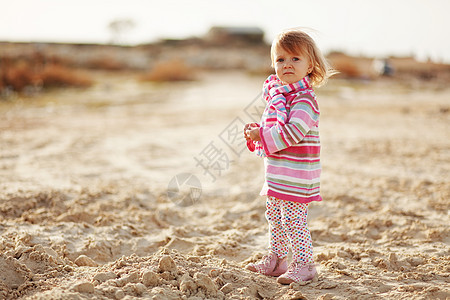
(288, 139)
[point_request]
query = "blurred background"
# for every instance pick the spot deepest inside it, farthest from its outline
(41, 40)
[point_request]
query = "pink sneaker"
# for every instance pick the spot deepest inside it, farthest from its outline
(298, 272)
(269, 265)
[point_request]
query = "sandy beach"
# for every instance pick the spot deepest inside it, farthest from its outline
(130, 190)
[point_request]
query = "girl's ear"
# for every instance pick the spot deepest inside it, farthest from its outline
(310, 68)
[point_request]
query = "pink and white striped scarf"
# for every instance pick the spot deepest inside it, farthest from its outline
(275, 94)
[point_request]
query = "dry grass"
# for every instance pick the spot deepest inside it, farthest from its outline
(348, 67)
(58, 76)
(173, 70)
(105, 63)
(18, 74)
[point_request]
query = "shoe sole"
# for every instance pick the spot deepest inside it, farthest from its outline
(283, 280)
(253, 269)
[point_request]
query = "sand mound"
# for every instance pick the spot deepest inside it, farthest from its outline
(170, 275)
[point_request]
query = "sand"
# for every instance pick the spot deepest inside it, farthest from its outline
(89, 207)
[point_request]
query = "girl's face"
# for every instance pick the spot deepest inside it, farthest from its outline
(289, 67)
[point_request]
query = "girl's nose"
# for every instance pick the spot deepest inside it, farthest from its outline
(287, 64)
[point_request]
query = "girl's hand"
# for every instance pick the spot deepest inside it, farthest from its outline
(247, 128)
(254, 134)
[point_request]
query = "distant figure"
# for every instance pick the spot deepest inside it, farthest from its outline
(288, 140)
(383, 67)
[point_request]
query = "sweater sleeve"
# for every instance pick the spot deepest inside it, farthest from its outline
(302, 117)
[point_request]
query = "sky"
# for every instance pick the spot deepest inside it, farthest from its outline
(420, 28)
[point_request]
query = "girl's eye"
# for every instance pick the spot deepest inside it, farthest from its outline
(295, 59)
(280, 60)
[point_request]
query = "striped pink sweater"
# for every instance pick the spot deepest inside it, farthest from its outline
(290, 141)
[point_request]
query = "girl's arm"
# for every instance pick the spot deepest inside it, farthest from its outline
(303, 115)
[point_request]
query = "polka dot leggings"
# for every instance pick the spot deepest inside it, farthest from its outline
(288, 225)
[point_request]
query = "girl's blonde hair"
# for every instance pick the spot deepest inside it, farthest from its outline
(296, 41)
